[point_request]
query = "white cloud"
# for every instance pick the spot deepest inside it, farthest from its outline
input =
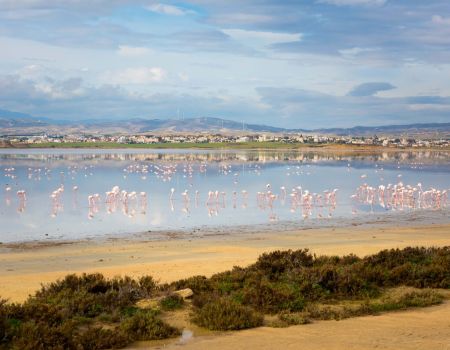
(264, 37)
(355, 51)
(62, 89)
(429, 107)
(241, 18)
(183, 76)
(352, 2)
(440, 20)
(140, 75)
(167, 9)
(30, 71)
(132, 51)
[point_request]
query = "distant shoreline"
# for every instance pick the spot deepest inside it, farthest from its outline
(214, 146)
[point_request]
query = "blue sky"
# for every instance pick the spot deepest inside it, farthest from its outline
(305, 64)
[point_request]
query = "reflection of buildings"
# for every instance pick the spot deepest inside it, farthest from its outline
(115, 158)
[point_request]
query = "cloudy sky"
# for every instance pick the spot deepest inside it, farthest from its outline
(290, 63)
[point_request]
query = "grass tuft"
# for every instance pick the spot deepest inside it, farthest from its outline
(225, 314)
(172, 302)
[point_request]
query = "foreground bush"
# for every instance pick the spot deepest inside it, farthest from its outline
(397, 299)
(93, 312)
(288, 280)
(144, 325)
(172, 302)
(59, 316)
(225, 314)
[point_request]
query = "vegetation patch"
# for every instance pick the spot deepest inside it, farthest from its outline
(90, 311)
(224, 314)
(172, 302)
(145, 325)
(83, 312)
(294, 318)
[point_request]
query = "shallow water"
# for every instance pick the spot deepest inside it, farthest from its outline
(309, 180)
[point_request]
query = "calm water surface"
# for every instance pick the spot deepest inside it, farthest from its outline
(64, 191)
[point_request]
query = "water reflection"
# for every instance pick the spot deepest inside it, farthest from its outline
(414, 158)
(72, 194)
(401, 197)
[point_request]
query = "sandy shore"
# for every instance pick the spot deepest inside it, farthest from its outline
(427, 328)
(24, 267)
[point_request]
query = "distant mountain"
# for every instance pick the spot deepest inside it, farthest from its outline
(19, 123)
(13, 123)
(389, 129)
(188, 125)
(9, 119)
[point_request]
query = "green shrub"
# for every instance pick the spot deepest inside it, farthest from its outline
(41, 336)
(172, 302)
(225, 314)
(394, 300)
(198, 284)
(96, 338)
(406, 300)
(147, 285)
(293, 318)
(145, 325)
(61, 314)
(275, 263)
(9, 325)
(271, 296)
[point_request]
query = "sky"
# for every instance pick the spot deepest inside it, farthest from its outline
(294, 64)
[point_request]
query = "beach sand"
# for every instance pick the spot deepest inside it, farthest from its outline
(427, 328)
(23, 267)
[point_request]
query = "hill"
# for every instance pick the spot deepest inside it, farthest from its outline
(14, 123)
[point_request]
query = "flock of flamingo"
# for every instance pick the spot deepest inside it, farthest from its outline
(400, 196)
(297, 199)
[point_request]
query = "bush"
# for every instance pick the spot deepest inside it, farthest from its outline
(144, 325)
(397, 299)
(406, 300)
(293, 318)
(198, 284)
(295, 284)
(147, 285)
(61, 314)
(275, 263)
(272, 297)
(41, 336)
(8, 325)
(96, 338)
(225, 314)
(172, 302)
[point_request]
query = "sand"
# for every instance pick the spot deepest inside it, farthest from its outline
(427, 328)
(23, 267)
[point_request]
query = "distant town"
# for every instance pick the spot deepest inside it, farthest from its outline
(216, 138)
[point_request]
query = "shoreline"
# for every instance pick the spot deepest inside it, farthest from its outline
(362, 221)
(25, 269)
(254, 146)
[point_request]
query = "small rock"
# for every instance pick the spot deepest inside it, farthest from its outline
(148, 304)
(184, 293)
